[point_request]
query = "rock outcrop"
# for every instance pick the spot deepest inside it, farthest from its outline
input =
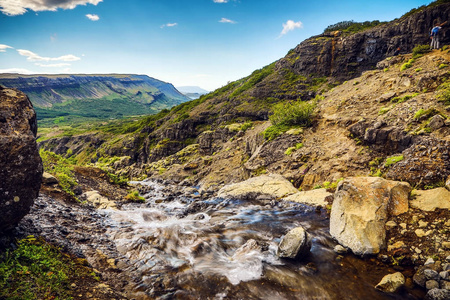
(266, 186)
(361, 208)
(20, 163)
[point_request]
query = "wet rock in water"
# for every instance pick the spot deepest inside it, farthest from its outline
(274, 185)
(361, 208)
(429, 200)
(249, 247)
(295, 244)
(20, 163)
(391, 283)
(438, 294)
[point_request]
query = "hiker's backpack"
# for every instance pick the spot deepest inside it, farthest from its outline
(435, 31)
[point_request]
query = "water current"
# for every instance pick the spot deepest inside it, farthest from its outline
(184, 248)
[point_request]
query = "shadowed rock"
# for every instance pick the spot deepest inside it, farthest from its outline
(20, 163)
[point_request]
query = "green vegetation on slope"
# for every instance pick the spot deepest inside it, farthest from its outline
(38, 270)
(352, 26)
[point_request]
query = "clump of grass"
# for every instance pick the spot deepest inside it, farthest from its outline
(420, 50)
(404, 98)
(37, 270)
(292, 149)
(61, 168)
(443, 94)
(134, 197)
(293, 113)
(425, 113)
(383, 110)
(443, 66)
(290, 114)
(393, 160)
(407, 65)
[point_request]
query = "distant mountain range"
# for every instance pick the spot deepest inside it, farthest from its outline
(192, 92)
(97, 96)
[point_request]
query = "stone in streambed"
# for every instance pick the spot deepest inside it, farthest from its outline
(295, 244)
(391, 283)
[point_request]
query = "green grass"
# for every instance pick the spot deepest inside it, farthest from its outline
(37, 270)
(393, 160)
(420, 50)
(352, 26)
(407, 65)
(293, 113)
(250, 81)
(134, 197)
(61, 168)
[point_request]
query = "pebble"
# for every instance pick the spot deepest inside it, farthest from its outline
(423, 224)
(429, 261)
(444, 275)
(390, 225)
(403, 225)
(431, 284)
(431, 274)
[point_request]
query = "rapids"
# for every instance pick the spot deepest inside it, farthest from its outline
(178, 247)
(226, 249)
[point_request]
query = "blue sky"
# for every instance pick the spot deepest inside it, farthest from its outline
(202, 43)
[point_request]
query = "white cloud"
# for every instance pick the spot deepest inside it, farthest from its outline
(4, 47)
(52, 65)
(220, 1)
(290, 25)
(225, 20)
(31, 56)
(169, 25)
(17, 70)
(92, 17)
(19, 7)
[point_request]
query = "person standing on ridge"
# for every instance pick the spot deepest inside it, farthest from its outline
(435, 35)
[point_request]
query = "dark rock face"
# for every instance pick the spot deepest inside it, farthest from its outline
(20, 163)
(344, 57)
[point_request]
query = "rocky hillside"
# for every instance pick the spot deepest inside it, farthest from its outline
(364, 121)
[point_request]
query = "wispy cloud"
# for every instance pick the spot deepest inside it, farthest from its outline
(31, 56)
(4, 47)
(93, 17)
(52, 65)
(17, 70)
(169, 25)
(19, 7)
(220, 1)
(289, 26)
(53, 37)
(225, 20)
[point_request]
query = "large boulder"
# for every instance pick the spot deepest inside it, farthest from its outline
(20, 163)
(272, 186)
(361, 207)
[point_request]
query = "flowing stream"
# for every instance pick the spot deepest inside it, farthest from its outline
(181, 248)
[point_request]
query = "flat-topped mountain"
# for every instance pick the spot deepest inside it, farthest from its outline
(96, 95)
